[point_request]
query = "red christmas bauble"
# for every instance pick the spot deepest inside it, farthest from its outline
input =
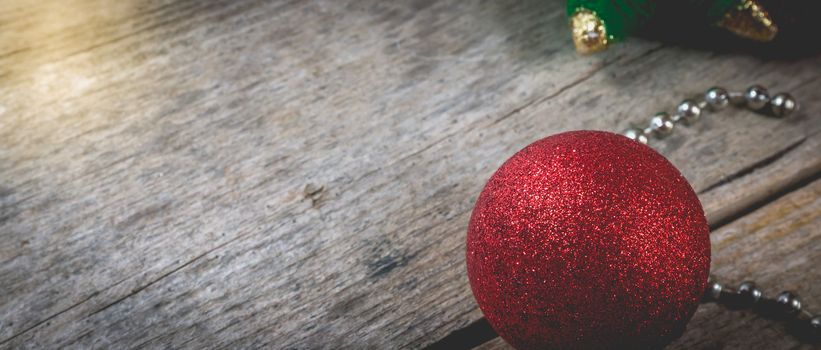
(588, 239)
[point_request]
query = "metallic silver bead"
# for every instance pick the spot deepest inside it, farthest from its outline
(789, 302)
(749, 289)
(757, 97)
(783, 104)
(688, 111)
(713, 290)
(717, 98)
(661, 125)
(637, 135)
(815, 323)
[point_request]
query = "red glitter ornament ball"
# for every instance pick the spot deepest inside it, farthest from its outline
(588, 240)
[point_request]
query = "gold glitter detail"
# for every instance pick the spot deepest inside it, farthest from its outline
(750, 20)
(589, 34)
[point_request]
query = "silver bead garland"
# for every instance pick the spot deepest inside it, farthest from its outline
(689, 111)
(785, 305)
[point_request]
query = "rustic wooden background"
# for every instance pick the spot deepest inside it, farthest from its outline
(299, 174)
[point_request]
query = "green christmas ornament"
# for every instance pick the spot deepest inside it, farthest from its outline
(595, 24)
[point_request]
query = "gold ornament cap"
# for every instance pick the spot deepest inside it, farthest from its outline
(589, 33)
(750, 20)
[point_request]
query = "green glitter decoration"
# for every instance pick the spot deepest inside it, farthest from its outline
(623, 18)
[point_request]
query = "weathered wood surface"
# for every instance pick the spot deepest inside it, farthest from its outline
(778, 246)
(300, 174)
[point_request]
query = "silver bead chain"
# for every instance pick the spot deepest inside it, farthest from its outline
(690, 111)
(785, 306)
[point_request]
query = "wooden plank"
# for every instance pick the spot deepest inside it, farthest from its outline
(778, 247)
(299, 174)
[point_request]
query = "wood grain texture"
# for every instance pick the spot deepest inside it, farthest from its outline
(299, 174)
(777, 246)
